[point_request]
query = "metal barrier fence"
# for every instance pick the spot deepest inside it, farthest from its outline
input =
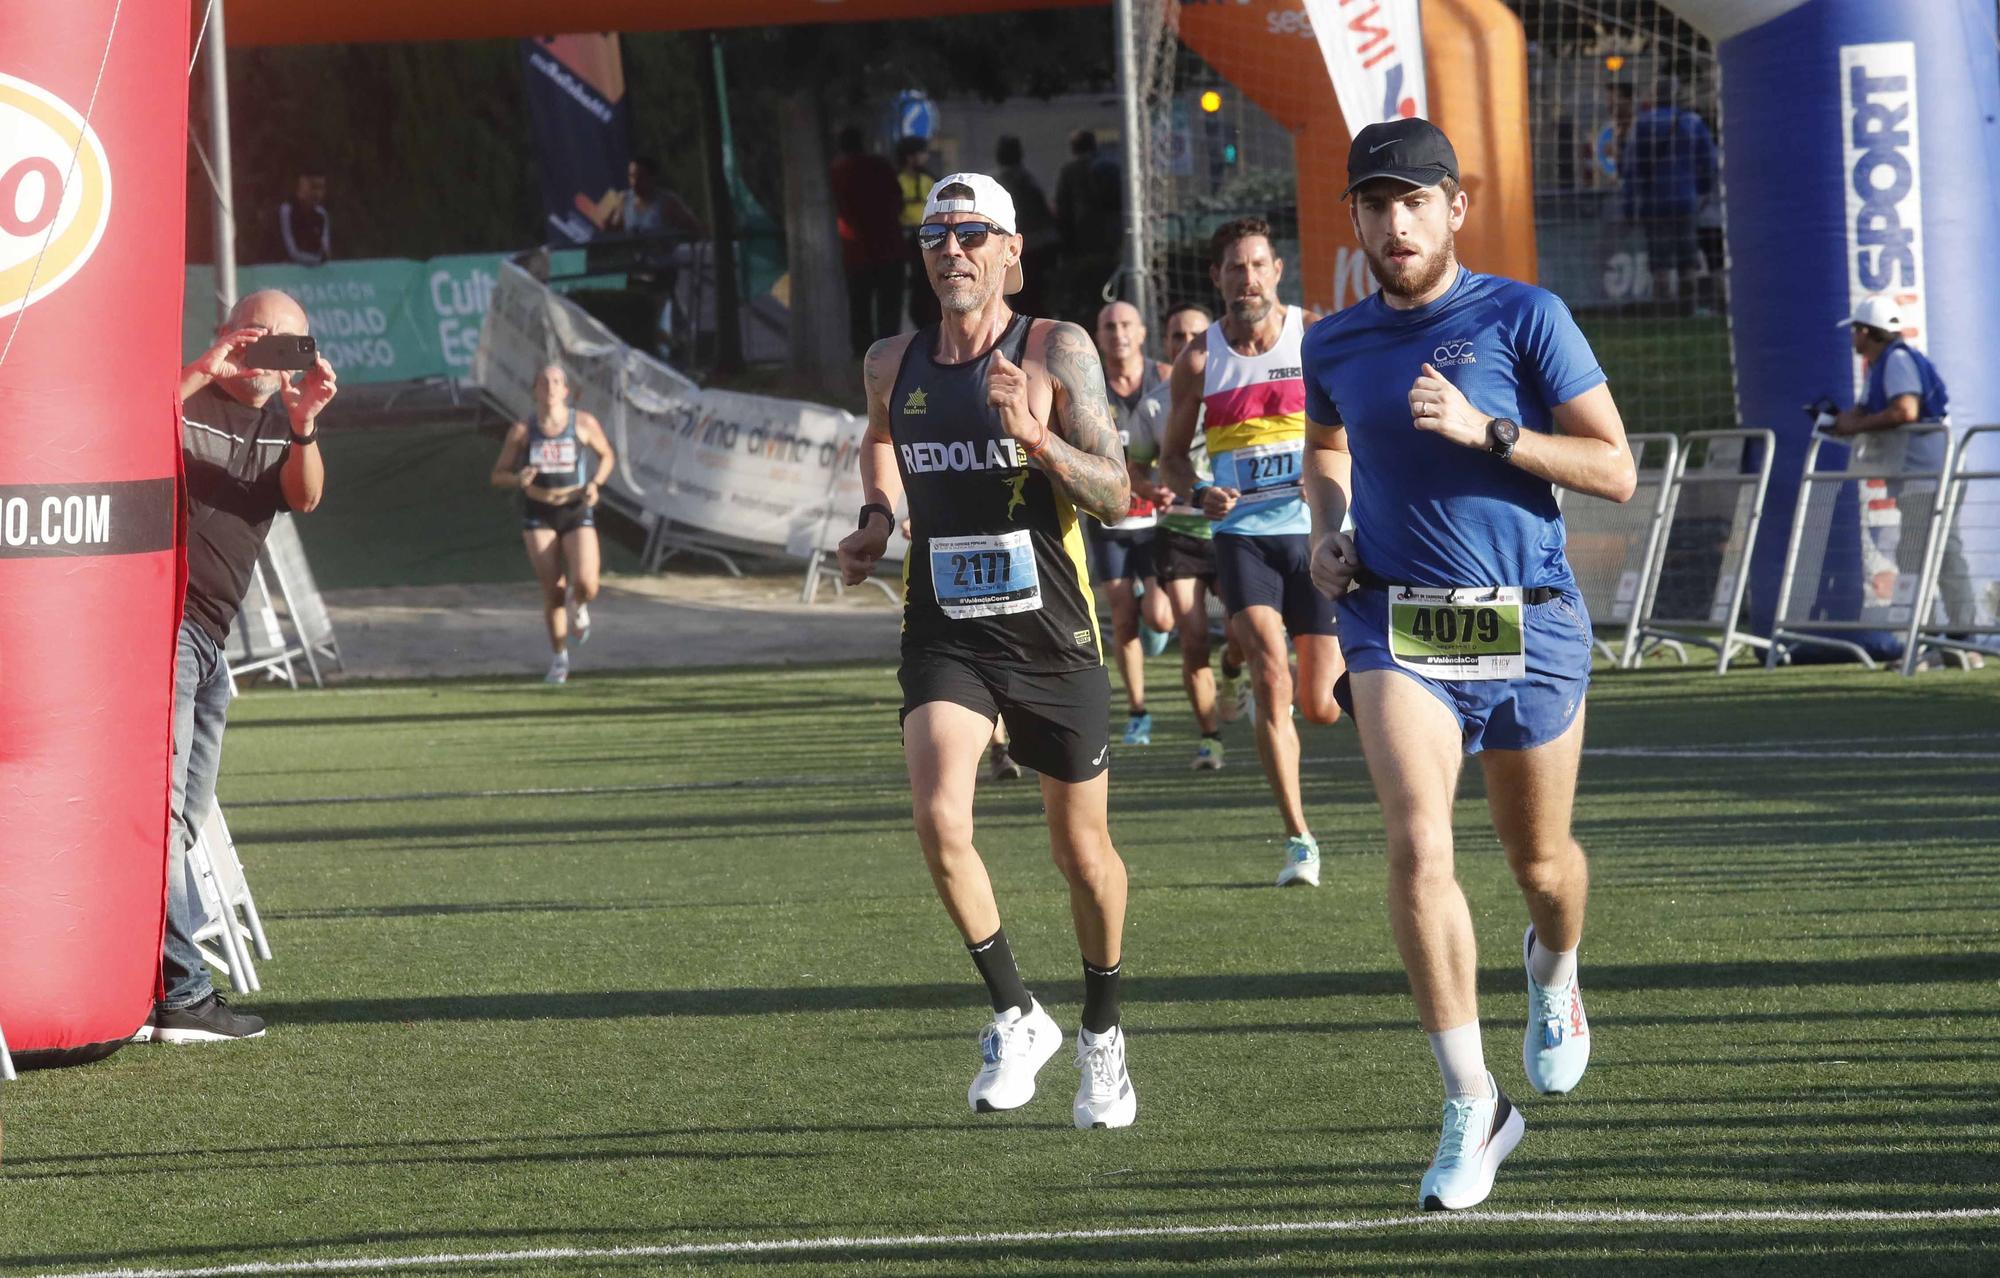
(1700, 571)
(257, 642)
(1611, 546)
(285, 555)
(1861, 540)
(1965, 590)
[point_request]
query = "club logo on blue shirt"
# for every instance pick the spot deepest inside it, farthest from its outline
(1453, 353)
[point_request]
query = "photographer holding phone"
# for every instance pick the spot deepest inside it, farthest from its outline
(249, 444)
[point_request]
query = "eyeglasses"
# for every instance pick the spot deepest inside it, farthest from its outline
(970, 235)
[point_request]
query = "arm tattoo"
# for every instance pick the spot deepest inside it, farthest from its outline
(1084, 457)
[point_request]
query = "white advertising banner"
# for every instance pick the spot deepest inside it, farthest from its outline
(1374, 51)
(1885, 202)
(775, 473)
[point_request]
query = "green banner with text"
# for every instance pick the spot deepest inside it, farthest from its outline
(377, 320)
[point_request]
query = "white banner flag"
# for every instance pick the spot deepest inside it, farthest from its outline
(1374, 51)
(777, 473)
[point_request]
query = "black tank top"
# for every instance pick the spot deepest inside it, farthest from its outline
(996, 568)
(558, 459)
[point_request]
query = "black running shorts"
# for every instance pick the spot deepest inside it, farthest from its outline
(1273, 571)
(1058, 721)
(1120, 555)
(563, 519)
(1179, 557)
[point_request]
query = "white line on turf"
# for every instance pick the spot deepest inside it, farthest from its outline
(1759, 752)
(773, 1246)
(1748, 751)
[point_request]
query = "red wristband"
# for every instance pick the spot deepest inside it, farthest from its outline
(1039, 445)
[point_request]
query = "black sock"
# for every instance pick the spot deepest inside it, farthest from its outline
(1137, 711)
(1213, 736)
(995, 961)
(1100, 997)
(1230, 669)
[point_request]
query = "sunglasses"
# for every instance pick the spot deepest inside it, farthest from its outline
(970, 235)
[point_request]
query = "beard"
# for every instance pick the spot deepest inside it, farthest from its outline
(964, 297)
(259, 385)
(1416, 277)
(1250, 310)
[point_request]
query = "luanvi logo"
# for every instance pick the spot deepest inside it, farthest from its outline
(55, 193)
(916, 405)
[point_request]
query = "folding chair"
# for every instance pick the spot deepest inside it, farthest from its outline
(230, 908)
(6, 1061)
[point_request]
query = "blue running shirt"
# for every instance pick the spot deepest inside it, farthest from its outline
(1426, 511)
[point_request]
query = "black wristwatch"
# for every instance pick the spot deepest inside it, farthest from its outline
(303, 440)
(1501, 435)
(871, 508)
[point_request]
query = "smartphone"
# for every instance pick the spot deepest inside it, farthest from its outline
(283, 351)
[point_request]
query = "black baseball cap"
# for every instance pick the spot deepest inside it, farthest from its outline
(1413, 151)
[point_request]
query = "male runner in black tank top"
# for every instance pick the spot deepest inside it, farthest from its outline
(996, 428)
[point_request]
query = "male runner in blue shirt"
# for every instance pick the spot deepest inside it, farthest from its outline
(1442, 409)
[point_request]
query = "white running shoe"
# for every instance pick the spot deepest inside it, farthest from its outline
(1012, 1049)
(1301, 861)
(1104, 1095)
(1479, 1131)
(558, 669)
(580, 622)
(1555, 1050)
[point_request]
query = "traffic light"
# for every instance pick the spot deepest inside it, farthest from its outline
(1211, 101)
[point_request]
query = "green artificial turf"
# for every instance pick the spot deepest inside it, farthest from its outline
(714, 999)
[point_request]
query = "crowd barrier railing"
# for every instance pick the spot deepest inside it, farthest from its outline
(1958, 600)
(1870, 585)
(1700, 571)
(1612, 546)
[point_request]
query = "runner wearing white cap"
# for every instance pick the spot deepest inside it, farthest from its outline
(995, 427)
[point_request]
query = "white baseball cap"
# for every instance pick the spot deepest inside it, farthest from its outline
(1877, 310)
(989, 199)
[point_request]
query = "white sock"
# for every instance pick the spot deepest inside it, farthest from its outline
(1552, 969)
(1460, 1060)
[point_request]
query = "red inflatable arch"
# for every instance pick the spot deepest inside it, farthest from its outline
(93, 128)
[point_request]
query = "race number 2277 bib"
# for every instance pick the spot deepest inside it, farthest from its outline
(1470, 632)
(985, 576)
(1269, 472)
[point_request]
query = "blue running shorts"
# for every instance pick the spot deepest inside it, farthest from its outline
(1493, 714)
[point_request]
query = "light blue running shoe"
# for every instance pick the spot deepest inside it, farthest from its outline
(1152, 642)
(1479, 1131)
(1301, 861)
(1556, 1047)
(1139, 730)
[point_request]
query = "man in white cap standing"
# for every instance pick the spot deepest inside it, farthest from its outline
(995, 427)
(1903, 388)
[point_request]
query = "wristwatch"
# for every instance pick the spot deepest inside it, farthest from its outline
(1501, 435)
(871, 508)
(303, 440)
